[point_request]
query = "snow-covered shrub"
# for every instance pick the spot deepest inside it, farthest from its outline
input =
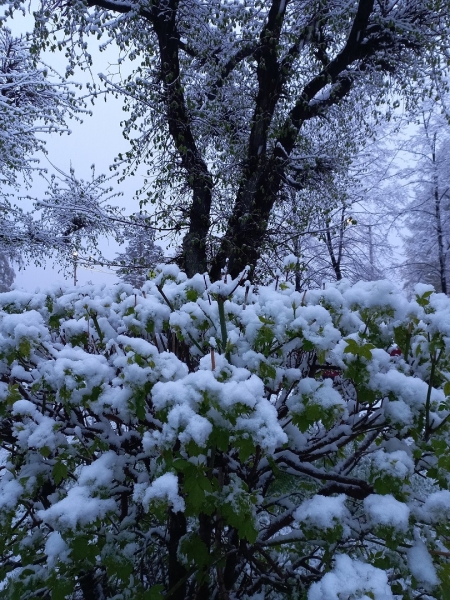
(212, 441)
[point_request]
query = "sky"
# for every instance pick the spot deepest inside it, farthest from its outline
(97, 140)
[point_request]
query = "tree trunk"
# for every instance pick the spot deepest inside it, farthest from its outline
(335, 261)
(437, 214)
(198, 177)
(177, 572)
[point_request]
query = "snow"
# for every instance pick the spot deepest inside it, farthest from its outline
(81, 506)
(437, 506)
(316, 392)
(421, 565)
(397, 464)
(77, 509)
(10, 491)
(163, 488)
(28, 326)
(323, 512)
(387, 511)
(352, 579)
(56, 549)
(101, 472)
(399, 412)
(411, 390)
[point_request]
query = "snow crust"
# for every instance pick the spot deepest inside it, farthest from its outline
(163, 488)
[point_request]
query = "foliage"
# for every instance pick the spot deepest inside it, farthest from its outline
(31, 103)
(234, 105)
(217, 441)
(74, 214)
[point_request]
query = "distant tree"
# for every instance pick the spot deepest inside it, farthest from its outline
(7, 274)
(31, 103)
(337, 229)
(141, 254)
(74, 214)
(427, 215)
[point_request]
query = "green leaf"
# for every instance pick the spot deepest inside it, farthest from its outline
(246, 448)
(354, 348)
(154, 593)
(24, 347)
(194, 489)
(308, 346)
(82, 550)
(423, 300)
(59, 472)
(267, 371)
(55, 321)
(266, 321)
(248, 531)
(191, 295)
(444, 462)
(13, 394)
(222, 439)
(195, 550)
(118, 566)
(45, 451)
(61, 588)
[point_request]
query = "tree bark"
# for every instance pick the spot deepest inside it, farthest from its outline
(438, 219)
(177, 572)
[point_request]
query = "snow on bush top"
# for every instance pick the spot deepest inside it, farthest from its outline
(254, 441)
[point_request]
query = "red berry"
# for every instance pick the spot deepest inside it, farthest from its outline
(330, 374)
(395, 352)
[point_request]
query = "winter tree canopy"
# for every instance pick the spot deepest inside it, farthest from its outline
(198, 441)
(233, 104)
(31, 105)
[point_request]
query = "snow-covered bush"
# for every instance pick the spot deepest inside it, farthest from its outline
(213, 441)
